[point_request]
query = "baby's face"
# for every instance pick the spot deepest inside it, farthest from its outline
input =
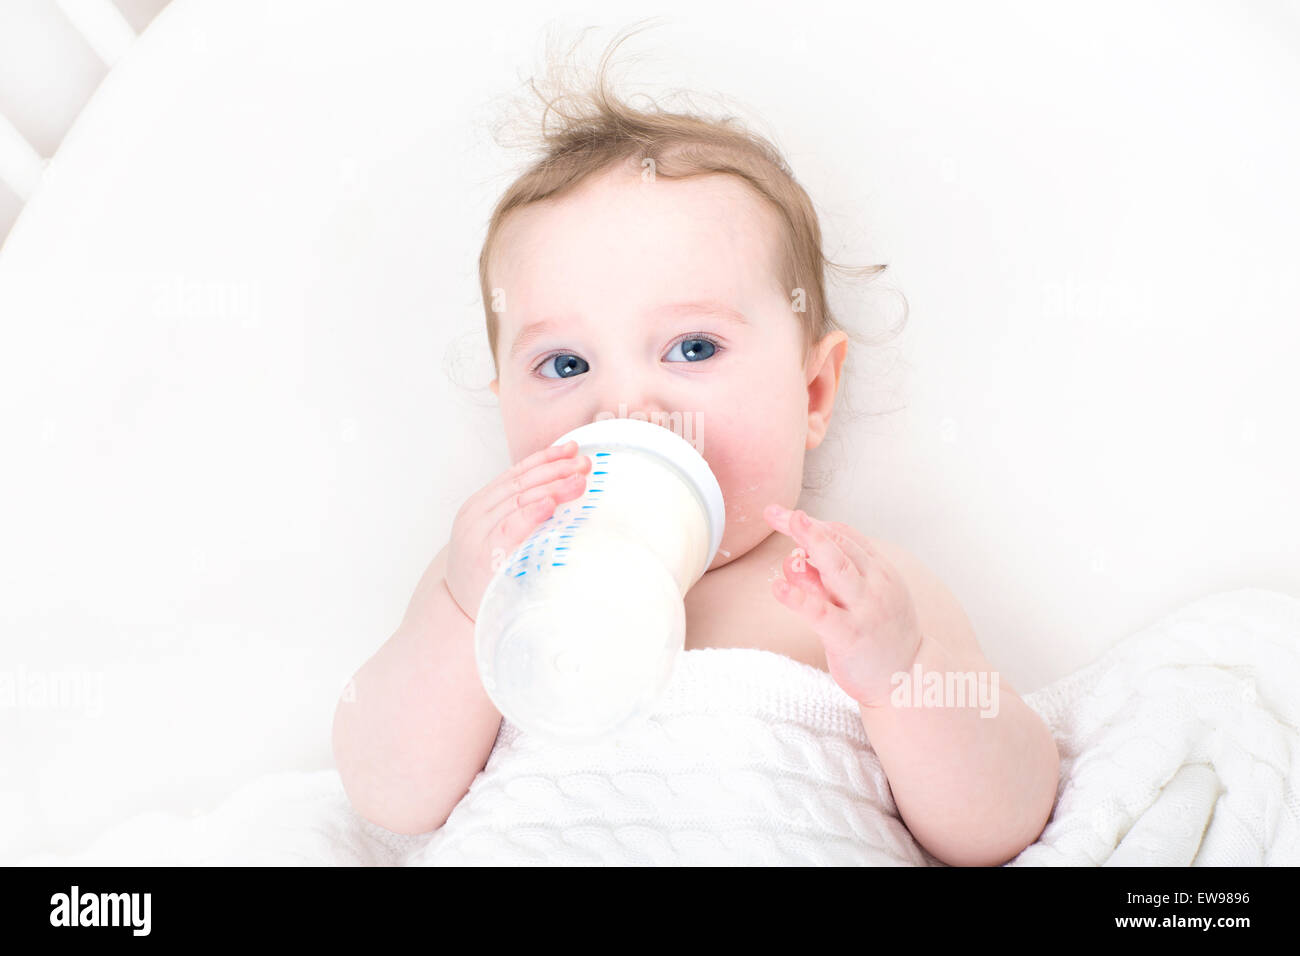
(601, 284)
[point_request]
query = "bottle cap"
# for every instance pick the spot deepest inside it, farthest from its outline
(647, 436)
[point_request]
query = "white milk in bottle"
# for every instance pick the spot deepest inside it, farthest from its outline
(578, 631)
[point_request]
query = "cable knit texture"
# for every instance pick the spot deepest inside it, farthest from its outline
(1180, 746)
(751, 757)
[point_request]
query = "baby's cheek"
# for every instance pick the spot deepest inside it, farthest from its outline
(753, 473)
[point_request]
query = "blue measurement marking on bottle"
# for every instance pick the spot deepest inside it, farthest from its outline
(519, 564)
(566, 521)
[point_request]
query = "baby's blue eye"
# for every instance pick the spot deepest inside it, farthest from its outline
(566, 365)
(695, 349)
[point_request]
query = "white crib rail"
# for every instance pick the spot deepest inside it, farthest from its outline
(20, 165)
(104, 28)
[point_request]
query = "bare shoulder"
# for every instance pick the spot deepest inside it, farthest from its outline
(939, 613)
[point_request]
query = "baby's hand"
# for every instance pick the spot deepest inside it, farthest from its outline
(855, 599)
(498, 517)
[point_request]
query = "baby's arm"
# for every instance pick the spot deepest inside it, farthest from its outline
(972, 789)
(416, 726)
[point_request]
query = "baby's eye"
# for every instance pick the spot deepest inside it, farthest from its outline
(696, 349)
(565, 364)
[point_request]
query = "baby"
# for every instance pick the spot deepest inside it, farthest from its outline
(670, 265)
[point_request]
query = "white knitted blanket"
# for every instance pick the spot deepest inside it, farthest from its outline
(1180, 746)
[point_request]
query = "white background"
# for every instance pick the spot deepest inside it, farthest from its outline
(243, 372)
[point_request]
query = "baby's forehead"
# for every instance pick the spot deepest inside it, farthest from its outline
(668, 228)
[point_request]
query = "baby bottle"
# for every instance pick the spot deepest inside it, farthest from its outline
(578, 631)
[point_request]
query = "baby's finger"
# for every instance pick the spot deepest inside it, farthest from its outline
(565, 488)
(839, 575)
(511, 530)
(799, 573)
(848, 540)
(833, 624)
(514, 493)
(876, 570)
(487, 497)
(852, 533)
(550, 453)
(851, 542)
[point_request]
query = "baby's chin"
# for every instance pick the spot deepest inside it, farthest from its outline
(720, 560)
(734, 547)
